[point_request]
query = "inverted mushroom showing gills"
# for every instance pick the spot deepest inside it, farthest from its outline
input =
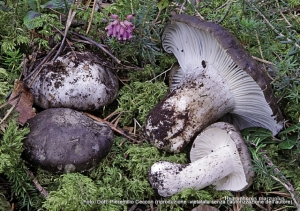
(219, 157)
(217, 78)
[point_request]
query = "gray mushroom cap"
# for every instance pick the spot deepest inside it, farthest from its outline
(63, 140)
(217, 79)
(81, 81)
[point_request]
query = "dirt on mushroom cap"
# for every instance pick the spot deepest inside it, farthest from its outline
(81, 82)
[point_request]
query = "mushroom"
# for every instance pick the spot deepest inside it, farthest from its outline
(219, 156)
(63, 140)
(77, 80)
(216, 77)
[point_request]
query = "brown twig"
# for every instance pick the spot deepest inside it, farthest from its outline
(18, 97)
(113, 127)
(68, 42)
(91, 17)
(262, 60)
(98, 45)
(38, 185)
(71, 16)
(41, 64)
(262, 55)
(283, 181)
(133, 207)
(281, 13)
(277, 193)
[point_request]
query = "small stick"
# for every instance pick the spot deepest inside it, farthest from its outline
(38, 185)
(68, 42)
(98, 45)
(8, 113)
(18, 97)
(278, 193)
(135, 123)
(261, 54)
(46, 58)
(132, 208)
(262, 60)
(71, 16)
(91, 17)
(115, 121)
(111, 114)
(38, 72)
(113, 127)
(288, 186)
(261, 207)
(281, 13)
(161, 74)
(24, 70)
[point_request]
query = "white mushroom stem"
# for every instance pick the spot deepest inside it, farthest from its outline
(170, 178)
(201, 99)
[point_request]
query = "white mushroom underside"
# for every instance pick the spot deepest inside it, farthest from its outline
(206, 143)
(194, 48)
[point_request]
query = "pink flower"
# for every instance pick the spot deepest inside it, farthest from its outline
(122, 30)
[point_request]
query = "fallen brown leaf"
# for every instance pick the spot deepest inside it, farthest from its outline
(23, 100)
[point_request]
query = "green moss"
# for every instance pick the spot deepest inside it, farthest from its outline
(123, 174)
(137, 99)
(11, 147)
(4, 85)
(76, 192)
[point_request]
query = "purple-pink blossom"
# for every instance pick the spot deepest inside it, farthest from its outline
(122, 30)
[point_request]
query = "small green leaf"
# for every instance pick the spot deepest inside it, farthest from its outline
(30, 15)
(32, 4)
(162, 4)
(288, 144)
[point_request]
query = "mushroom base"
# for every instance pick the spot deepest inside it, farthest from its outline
(184, 112)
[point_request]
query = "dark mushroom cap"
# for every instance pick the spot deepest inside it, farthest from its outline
(63, 140)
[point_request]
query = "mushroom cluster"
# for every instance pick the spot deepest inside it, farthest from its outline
(215, 79)
(122, 30)
(62, 139)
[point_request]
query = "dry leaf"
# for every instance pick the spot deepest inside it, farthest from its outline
(23, 99)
